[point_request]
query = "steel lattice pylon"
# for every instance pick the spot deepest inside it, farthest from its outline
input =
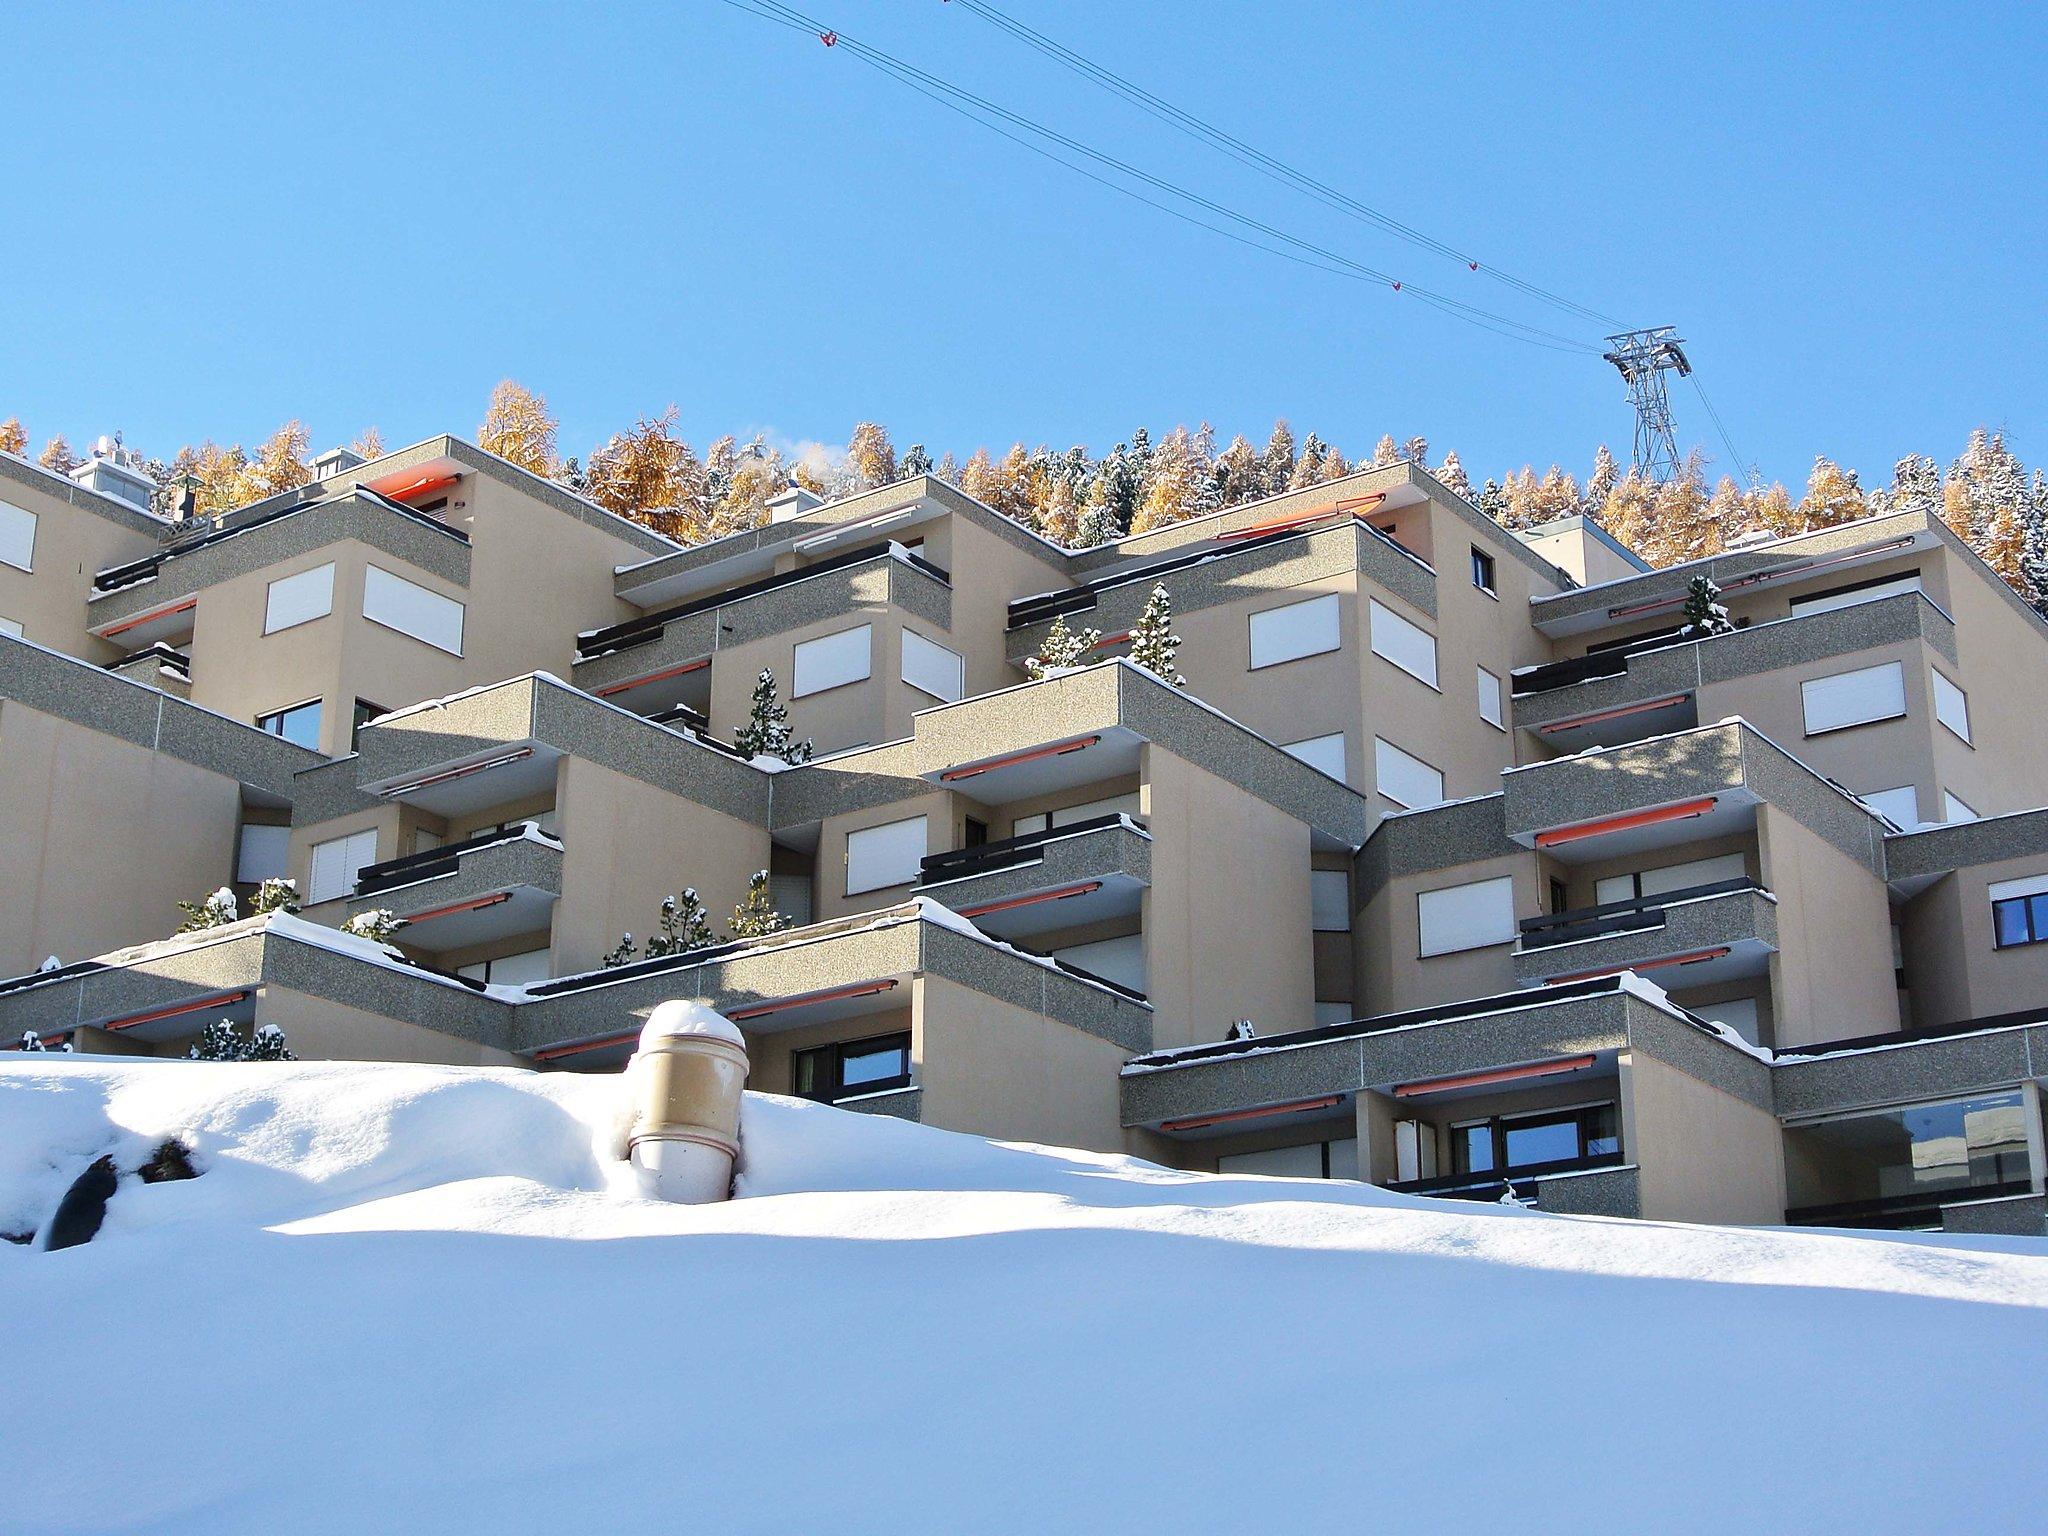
(1643, 358)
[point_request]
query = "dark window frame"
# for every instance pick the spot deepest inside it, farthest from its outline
(1497, 1127)
(272, 723)
(832, 1056)
(2033, 920)
(1485, 572)
(365, 712)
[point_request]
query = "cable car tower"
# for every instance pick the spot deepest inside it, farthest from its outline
(1644, 358)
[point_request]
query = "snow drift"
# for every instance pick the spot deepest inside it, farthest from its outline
(428, 1299)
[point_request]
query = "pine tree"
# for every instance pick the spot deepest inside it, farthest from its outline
(756, 917)
(870, 457)
(1097, 526)
(1181, 485)
(14, 437)
(274, 896)
(1915, 487)
(1704, 613)
(1153, 642)
(378, 925)
(57, 456)
(915, 462)
(684, 925)
(268, 1045)
(619, 954)
(1062, 650)
(1832, 496)
(1276, 464)
(1385, 451)
(1600, 484)
(221, 1041)
(1113, 499)
(2035, 560)
(1493, 501)
(518, 428)
(1416, 451)
(1140, 456)
(766, 733)
(1451, 476)
(217, 911)
(1239, 475)
(1308, 464)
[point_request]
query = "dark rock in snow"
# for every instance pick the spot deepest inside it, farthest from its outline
(83, 1207)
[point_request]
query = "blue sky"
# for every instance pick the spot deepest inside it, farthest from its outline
(232, 214)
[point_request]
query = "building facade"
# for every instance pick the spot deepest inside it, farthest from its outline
(1461, 863)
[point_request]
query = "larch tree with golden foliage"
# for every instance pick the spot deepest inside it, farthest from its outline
(14, 437)
(870, 457)
(1832, 496)
(2005, 550)
(58, 457)
(652, 476)
(518, 428)
(1180, 485)
(279, 464)
(370, 445)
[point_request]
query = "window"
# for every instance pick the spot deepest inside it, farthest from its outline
(1329, 892)
(1951, 705)
(1067, 815)
(2019, 911)
(1859, 592)
(262, 854)
(1560, 897)
(931, 668)
(832, 661)
(973, 832)
(1295, 631)
(1408, 646)
(1317, 1160)
(17, 537)
(1854, 698)
(1919, 1150)
(1477, 915)
(1323, 752)
(1901, 805)
(365, 713)
(1482, 571)
(509, 970)
(829, 1073)
(1489, 700)
(300, 723)
(411, 609)
(1953, 808)
(879, 857)
(299, 599)
(337, 862)
(1665, 879)
(1407, 781)
(1508, 1143)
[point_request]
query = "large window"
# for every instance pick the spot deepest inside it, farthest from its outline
(300, 723)
(1511, 1143)
(1067, 815)
(509, 970)
(1316, 1160)
(1297, 630)
(829, 1073)
(17, 537)
(832, 661)
(1323, 752)
(299, 599)
(2019, 911)
(1854, 698)
(1476, 915)
(1666, 878)
(337, 862)
(1858, 592)
(1407, 781)
(411, 609)
(1408, 646)
(879, 857)
(1951, 705)
(1914, 1153)
(931, 668)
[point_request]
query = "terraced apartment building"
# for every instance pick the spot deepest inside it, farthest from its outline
(1461, 864)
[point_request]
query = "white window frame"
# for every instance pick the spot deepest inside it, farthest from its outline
(1492, 700)
(932, 668)
(1885, 688)
(1329, 902)
(1390, 762)
(825, 662)
(879, 858)
(1951, 705)
(1479, 914)
(386, 596)
(298, 599)
(15, 550)
(1402, 642)
(1326, 754)
(337, 879)
(1312, 627)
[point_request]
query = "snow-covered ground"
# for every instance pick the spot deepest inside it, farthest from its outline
(422, 1299)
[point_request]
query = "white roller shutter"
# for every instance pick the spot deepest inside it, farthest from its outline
(299, 599)
(929, 666)
(1329, 901)
(1408, 646)
(1951, 705)
(1322, 752)
(1854, 698)
(336, 863)
(1407, 781)
(1460, 917)
(1295, 631)
(412, 610)
(17, 536)
(879, 857)
(1490, 700)
(832, 661)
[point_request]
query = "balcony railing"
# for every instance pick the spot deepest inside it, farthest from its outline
(1893, 1212)
(163, 655)
(1633, 916)
(1491, 1186)
(649, 626)
(987, 858)
(1610, 662)
(432, 862)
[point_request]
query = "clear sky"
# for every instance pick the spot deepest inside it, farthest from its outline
(226, 215)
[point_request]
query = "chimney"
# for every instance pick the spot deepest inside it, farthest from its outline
(335, 461)
(794, 502)
(105, 473)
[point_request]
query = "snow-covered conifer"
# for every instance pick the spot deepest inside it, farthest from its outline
(1153, 642)
(766, 733)
(217, 911)
(378, 925)
(1704, 613)
(1063, 650)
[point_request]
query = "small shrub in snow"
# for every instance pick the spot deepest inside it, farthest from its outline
(31, 1041)
(619, 954)
(684, 925)
(217, 911)
(275, 896)
(756, 917)
(377, 924)
(223, 1042)
(1704, 614)
(1063, 650)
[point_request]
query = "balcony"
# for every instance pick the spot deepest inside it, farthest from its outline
(491, 887)
(1703, 934)
(1651, 686)
(1601, 1185)
(1087, 872)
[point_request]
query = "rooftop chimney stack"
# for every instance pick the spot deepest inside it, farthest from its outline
(335, 461)
(794, 502)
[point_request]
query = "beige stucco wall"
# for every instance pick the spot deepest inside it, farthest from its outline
(1953, 965)
(72, 544)
(1392, 973)
(1833, 976)
(1226, 919)
(943, 812)
(103, 839)
(1701, 1154)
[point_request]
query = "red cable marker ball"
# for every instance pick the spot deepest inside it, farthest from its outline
(828, 38)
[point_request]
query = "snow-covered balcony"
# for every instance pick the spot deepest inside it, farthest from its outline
(1695, 936)
(495, 886)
